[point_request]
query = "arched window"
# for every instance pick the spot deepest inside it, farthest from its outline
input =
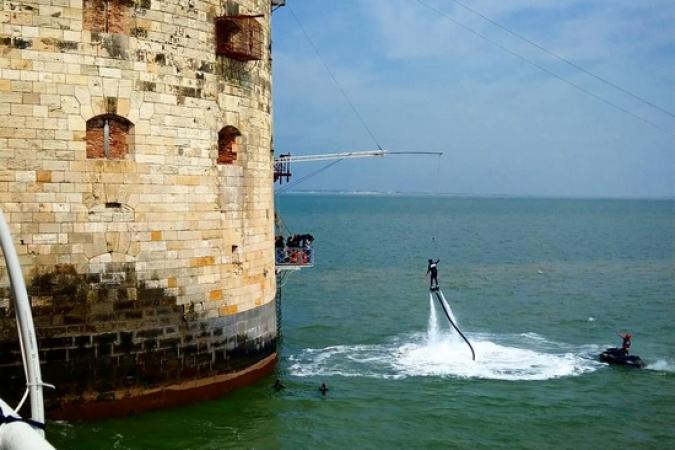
(227, 145)
(107, 16)
(108, 136)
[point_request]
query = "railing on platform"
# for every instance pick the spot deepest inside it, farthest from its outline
(295, 252)
(290, 258)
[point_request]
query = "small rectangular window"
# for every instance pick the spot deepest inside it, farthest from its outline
(239, 37)
(108, 136)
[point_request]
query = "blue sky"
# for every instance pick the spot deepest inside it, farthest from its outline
(422, 83)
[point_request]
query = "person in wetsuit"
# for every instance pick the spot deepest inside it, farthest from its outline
(625, 342)
(433, 270)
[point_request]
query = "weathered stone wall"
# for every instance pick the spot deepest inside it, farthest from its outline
(130, 254)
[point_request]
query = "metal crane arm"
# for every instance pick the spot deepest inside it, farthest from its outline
(347, 155)
(331, 156)
(282, 164)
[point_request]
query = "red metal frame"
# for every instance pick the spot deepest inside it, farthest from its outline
(239, 37)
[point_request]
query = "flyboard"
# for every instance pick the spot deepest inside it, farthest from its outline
(441, 300)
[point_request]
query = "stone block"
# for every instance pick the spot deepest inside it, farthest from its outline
(76, 123)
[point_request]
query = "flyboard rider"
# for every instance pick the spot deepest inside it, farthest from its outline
(433, 270)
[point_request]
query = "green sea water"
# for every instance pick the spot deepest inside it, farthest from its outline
(538, 286)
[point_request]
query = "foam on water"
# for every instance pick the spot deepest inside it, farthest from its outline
(441, 352)
(662, 365)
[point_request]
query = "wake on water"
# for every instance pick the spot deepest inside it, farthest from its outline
(442, 352)
(661, 365)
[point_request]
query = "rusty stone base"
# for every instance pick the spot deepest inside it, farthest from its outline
(126, 403)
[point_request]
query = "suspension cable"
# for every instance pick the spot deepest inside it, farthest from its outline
(308, 176)
(330, 72)
(543, 69)
(563, 59)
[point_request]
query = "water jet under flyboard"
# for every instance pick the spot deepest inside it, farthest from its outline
(438, 293)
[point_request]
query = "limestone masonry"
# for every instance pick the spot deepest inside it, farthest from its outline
(136, 176)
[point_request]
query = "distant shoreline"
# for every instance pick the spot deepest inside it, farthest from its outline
(467, 195)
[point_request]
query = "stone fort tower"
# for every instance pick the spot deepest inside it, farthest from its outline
(136, 176)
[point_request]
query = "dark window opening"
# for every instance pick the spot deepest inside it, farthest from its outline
(115, 205)
(227, 145)
(108, 136)
(239, 37)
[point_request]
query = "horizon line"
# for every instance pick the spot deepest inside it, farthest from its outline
(474, 195)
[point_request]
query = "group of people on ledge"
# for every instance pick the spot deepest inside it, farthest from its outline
(297, 249)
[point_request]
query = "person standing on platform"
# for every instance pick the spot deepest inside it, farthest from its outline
(279, 249)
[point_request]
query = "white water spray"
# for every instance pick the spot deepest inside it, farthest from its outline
(414, 356)
(449, 309)
(433, 329)
(439, 331)
(442, 352)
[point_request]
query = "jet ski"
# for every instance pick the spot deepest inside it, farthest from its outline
(619, 357)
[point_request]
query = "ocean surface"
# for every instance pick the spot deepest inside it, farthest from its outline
(538, 286)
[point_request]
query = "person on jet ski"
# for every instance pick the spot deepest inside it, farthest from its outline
(625, 344)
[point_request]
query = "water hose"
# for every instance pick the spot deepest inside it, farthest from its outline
(447, 314)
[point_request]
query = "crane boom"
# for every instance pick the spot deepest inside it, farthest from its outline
(282, 164)
(332, 156)
(347, 155)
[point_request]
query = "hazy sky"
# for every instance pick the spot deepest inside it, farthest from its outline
(422, 83)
